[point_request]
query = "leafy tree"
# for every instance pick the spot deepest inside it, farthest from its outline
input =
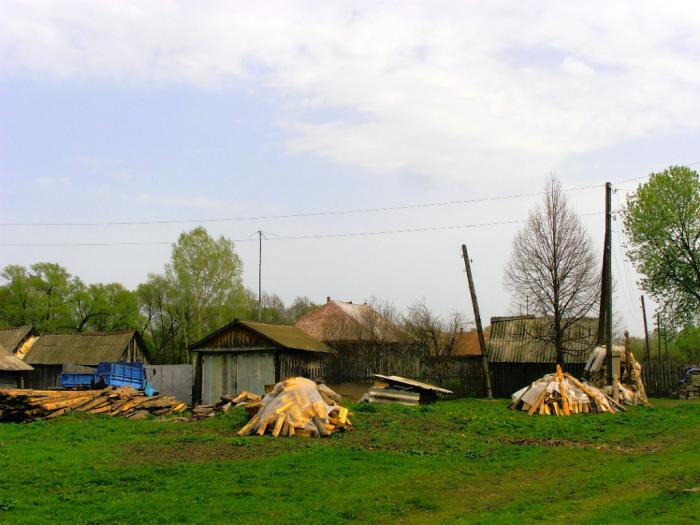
(300, 306)
(662, 223)
(206, 274)
(105, 308)
(553, 269)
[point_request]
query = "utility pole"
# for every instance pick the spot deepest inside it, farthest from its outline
(658, 332)
(260, 275)
(479, 328)
(646, 331)
(605, 315)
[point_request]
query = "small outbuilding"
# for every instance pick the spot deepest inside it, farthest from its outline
(50, 352)
(245, 355)
(13, 371)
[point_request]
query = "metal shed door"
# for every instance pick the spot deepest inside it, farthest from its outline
(255, 370)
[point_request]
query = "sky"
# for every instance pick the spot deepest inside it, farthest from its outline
(124, 111)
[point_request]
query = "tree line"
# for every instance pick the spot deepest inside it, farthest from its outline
(199, 290)
(553, 272)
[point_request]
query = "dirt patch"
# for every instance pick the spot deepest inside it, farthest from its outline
(575, 444)
(199, 452)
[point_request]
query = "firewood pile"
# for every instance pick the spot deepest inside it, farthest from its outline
(561, 394)
(29, 405)
(227, 402)
(295, 407)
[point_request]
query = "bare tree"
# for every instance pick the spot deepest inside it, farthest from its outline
(553, 269)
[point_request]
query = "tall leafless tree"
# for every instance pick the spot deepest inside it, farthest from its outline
(553, 269)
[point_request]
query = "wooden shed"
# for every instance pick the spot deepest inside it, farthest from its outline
(244, 355)
(13, 371)
(50, 352)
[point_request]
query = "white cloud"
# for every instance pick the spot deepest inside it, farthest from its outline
(426, 88)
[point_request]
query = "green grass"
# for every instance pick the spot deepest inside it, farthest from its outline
(466, 461)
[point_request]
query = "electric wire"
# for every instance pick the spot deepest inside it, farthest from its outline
(292, 237)
(292, 215)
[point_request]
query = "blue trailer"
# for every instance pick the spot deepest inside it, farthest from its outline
(109, 374)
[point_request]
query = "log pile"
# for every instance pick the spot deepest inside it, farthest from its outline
(30, 405)
(296, 407)
(227, 402)
(561, 394)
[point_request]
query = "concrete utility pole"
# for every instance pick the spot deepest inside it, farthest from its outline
(646, 331)
(477, 320)
(260, 275)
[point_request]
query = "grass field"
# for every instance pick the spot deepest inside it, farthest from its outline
(465, 461)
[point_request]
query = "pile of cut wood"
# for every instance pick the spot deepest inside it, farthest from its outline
(403, 391)
(295, 407)
(30, 405)
(561, 394)
(227, 402)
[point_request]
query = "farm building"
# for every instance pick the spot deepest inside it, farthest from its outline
(244, 355)
(13, 371)
(518, 354)
(50, 352)
(365, 341)
(467, 344)
(345, 322)
(18, 340)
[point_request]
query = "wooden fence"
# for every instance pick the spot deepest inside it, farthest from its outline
(357, 362)
(661, 377)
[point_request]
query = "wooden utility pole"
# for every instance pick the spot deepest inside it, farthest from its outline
(260, 275)
(479, 328)
(605, 315)
(658, 332)
(646, 331)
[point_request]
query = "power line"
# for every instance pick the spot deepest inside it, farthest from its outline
(289, 237)
(291, 215)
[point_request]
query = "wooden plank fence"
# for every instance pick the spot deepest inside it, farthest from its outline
(661, 377)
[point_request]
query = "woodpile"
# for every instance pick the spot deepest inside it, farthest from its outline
(561, 394)
(295, 407)
(251, 401)
(30, 405)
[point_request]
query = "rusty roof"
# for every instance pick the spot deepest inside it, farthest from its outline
(11, 338)
(285, 336)
(467, 343)
(83, 348)
(347, 321)
(516, 340)
(10, 363)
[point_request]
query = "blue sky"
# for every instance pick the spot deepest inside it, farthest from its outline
(166, 110)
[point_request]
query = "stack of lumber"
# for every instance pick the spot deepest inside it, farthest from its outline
(30, 405)
(561, 394)
(296, 407)
(226, 403)
(403, 391)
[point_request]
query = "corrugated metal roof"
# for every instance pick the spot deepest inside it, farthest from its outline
(84, 348)
(11, 338)
(515, 340)
(285, 336)
(10, 363)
